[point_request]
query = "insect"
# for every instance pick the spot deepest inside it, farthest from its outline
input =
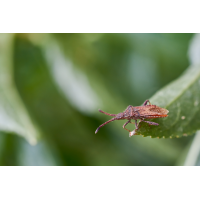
(139, 112)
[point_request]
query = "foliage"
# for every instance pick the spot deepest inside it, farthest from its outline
(182, 99)
(61, 80)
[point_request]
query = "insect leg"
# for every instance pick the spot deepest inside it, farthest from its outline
(136, 124)
(151, 123)
(135, 110)
(145, 103)
(136, 128)
(125, 125)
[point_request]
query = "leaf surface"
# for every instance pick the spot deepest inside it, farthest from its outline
(182, 99)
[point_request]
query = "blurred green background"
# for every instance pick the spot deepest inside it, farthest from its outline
(63, 79)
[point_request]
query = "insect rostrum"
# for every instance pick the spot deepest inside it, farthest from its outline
(139, 112)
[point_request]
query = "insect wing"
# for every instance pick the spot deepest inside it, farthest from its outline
(153, 111)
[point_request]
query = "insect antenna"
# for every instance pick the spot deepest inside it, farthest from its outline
(105, 124)
(107, 113)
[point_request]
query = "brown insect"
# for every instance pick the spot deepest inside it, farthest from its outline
(140, 112)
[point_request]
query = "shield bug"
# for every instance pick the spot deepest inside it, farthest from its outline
(139, 112)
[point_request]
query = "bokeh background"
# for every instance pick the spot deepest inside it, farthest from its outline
(63, 79)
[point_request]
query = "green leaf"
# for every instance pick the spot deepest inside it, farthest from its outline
(182, 99)
(13, 115)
